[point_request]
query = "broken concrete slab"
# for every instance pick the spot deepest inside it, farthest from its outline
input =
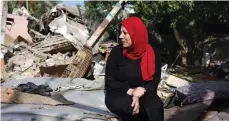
(79, 84)
(192, 111)
(208, 115)
(71, 94)
(59, 59)
(98, 97)
(98, 70)
(27, 64)
(176, 82)
(75, 35)
(84, 104)
(54, 44)
(202, 91)
(22, 64)
(216, 118)
(29, 117)
(20, 23)
(165, 96)
(224, 114)
(73, 112)
(8, 40)
(57, 83)
(50, 62)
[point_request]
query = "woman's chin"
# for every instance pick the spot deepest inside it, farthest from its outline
(125, 46)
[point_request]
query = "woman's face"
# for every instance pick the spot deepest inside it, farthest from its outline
(125, 38)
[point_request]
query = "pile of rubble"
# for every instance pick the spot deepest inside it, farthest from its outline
(194, 93)
(51, 43)
(52, 49)
(27, 59)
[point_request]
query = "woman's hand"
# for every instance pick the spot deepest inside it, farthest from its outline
(130, 91)
(135, 105)
(139, 92)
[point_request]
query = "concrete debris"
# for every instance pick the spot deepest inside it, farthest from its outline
(175, 81)
(4, 76)
(99, 70)
(49, 41)
(165, 96)
(55, 39)
(168, 84)
(61, 19)
(209, 115)
(216, 115)
(224, 114)
(18, 27)
(22, 11)
(75, 34)
(193, 111)
(26, 63)
(59, 59)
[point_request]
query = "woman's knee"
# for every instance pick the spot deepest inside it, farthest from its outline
(150, 100)
(155, 114)
(119, 109)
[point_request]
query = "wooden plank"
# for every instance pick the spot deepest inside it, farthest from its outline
(102, 27)
(36, 52)
(11, 96)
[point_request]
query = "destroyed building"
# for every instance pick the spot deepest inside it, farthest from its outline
(44, 46)
(37, 62)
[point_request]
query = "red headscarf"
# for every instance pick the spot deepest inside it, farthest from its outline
(140, 47)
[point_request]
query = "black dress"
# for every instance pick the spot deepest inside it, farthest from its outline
(122, 74)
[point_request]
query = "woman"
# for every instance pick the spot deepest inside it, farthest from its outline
(132, 75)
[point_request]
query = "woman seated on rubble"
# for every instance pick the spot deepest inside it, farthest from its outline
(132, 75)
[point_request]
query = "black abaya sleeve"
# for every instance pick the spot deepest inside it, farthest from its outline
(111, 82)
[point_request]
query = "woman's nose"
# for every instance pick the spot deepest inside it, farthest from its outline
(121, 36)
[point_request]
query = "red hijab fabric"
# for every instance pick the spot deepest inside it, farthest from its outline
(140, 47)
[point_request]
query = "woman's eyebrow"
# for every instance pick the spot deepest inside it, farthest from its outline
(123, 30)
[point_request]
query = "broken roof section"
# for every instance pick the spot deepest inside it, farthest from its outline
(61, 19)
(18, 27)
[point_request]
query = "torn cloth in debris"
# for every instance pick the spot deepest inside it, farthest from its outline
(32, 88)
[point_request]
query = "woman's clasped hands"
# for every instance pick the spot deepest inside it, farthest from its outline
(136, 93)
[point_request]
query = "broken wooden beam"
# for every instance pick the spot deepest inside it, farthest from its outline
(12, 96)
